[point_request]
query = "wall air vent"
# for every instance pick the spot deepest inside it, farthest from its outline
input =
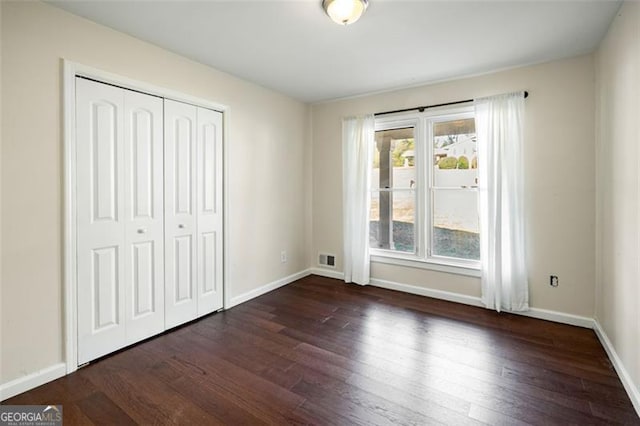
(327, 260)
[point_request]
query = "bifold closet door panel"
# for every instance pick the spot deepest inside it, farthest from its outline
(120, 213)
(100, 219)
(144, 212)
(209, 206)
(180, 213)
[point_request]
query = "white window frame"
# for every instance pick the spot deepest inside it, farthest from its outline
(423, 143)
(396, 123)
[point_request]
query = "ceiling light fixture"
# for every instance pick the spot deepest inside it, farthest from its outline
(345, 12)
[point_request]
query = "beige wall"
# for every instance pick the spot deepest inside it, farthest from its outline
(268, 148)
(618, 187)
(559, 173)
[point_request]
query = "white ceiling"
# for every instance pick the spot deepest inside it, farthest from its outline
(294, 48)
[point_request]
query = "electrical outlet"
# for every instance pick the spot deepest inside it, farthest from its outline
(553, 281)
(283, 256)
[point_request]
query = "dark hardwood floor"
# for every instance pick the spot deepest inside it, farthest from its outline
(319, 351)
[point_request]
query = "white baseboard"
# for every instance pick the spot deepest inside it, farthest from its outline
(555, 316)
(429, 292)
(538, 313)
(632, 389)
(267, 288)
(33, 380)
(329, 273)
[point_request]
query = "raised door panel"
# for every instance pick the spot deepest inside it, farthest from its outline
(181, 163)
(105, 288)
(144, 212)
(208, 153)
(104, 164)
(180, 218)
(182, 277)
(209, 283)
(143, 280)
(100, 224)
(141, 149)
(209, 211)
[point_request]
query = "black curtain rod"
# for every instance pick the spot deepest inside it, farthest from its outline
(422, 108)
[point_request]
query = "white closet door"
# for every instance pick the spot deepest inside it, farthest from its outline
(144, 211)
(209, 207)
(180, 213)
(100, 219)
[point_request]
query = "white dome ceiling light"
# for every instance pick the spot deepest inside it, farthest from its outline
(345, 12)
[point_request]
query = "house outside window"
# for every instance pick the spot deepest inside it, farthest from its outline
(424, 192)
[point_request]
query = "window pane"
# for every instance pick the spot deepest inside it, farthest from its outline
(404, 221)
(455, 158)
(393, 228)
(456, 228)
(394, 159)
(374, 221)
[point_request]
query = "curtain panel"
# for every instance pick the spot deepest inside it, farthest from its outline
(357, 156)
(499, 129)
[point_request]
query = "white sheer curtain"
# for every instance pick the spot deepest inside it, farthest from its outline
(357, 156)
(499, 127)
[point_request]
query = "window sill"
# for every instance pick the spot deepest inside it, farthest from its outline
(413, 262)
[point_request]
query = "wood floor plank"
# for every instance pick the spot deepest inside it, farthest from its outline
(211, 399)
(101, 410)
(491, 417)
(321, 352)
(146, 399)
(313, 414)
(74, 415)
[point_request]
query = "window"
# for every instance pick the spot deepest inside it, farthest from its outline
(393, 197)
(424, 195)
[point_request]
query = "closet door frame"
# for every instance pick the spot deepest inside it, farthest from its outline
(71, 70)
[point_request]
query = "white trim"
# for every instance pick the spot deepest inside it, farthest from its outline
(244, 297)
(424, 230)
(632, 389)
(327, 273)
(70, 71)
(226, 242)
(555, 316)
(70, 261)
(33, 380)
(543, 314)
(429, 292)
(141, 86)
(468, 271)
